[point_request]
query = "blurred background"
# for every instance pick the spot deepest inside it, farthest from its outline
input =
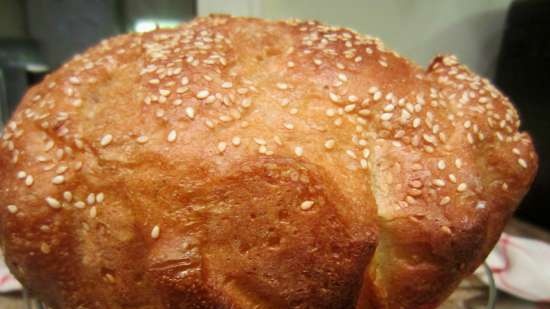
(505, 40)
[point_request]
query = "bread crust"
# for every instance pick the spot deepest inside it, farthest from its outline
(244, 163)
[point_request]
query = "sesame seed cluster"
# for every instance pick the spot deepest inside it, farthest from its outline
(223, 89)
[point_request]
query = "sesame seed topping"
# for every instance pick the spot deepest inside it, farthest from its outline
(445, 200)
(522, 163)
(203, 94)
(386, 116)
(12, 209)
(342, 77)
(439, 182)
(227, 85)
(452, 178)
(21, 174)
(222, 146)
(100, 197)
(366, 153)
(93, 212)
(67, 196)
(246, 102)
(299, 151)
(59, 179)
(334, 97)
(190, 112)
(29, 180)
(52, 202)
(236, 141)
(79, 204)
(416, 122)
(155, 232)
(329, 144)
(184, 80)
(282, 86)
(306, 205)
(90, 199)
(142, 139)
(441, 165)
(516, 151)
(106, 140)
(462, 187)
(458, 163)
(259, 141)
(288, 125)
(172, 135)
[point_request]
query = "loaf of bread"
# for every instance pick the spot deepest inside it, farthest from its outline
(244, 163)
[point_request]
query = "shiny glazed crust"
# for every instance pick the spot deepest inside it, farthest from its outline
(244, 163)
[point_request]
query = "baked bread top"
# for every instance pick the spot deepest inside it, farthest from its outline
(245, 163)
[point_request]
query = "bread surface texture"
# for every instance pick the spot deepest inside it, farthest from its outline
(245, 163)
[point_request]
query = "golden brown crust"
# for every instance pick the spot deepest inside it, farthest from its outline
(239, 163)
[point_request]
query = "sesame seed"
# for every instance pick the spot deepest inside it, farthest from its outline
(79, 205)
(100, 197)
(366, 153)
(202, 94)
(184, 80)
(259, 141)
(290, 64)
(288, 125)
(439, 182)
(282, 86)
(29, 180)
(155, 232)
(349, 108)
(93, 212)
(154, 81)
(516, 151)
(172, 135)
(342, 77)
(74, 80)
(389, 108)
(57, 180)
(416, 122)
(444, 201)
(299, 151)
(106, 140)
(452, 178)
(334, 97)
(190, 112)
(363, 163)
(306, 205)
(164, 92)
(462, 187)
(227, 85)
(142, 139)
(350, 153)
(61, 169)
(90, 199)
(458, 163)
(222, 146)
(441, 165)
(386, 116)
(329, 144)
(246, 102)
(68, 196)
(522, 163)
(21, 174)
(52, 202)
(236, 141)
(377, 95)
(12, 209)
